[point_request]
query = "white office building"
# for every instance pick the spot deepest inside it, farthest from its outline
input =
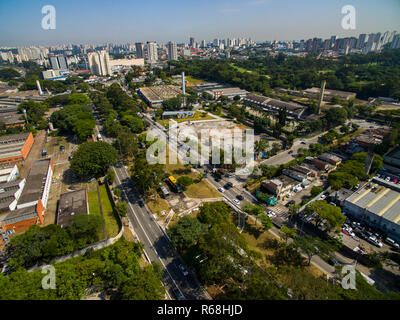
(152, 55)
(172, 51)
(99, 63)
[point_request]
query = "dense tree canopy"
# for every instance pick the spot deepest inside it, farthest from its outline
(93, 159)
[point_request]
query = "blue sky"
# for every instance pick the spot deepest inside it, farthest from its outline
(121, 21)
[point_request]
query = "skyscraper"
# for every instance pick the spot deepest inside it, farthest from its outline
(99, 63)
(172, 51)
(203, 43)
(62, 62)
(152, 55)
(139, 50)
(54, 63)
(191, 43)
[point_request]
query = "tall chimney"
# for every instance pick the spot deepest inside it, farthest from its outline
(321, 96)
(39, 88)
(183, 88)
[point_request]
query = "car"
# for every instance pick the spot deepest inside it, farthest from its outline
(220, 189)
(345, 232)
(290, 152)
(62, 148)
(217, 179)
(303, 142)
(357, 186)
(271, 214)
(395, 180)
(239, 197)
(332, 204)
(183, 269)
(392, 243)
(228, 185)
(140, 203)
(387, 179)
(322, 197)
(333, 262)
(231, 175)
(375, 241)
(236, 201)
(92, 179)
(177, 293)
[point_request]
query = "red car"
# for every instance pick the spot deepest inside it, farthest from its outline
(345, 232)
(395, 180)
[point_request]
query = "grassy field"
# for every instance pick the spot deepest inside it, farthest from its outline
(94, 208)
(190, 79)
(108, 213)
(256, 239)
(158, 205)
(242, 70)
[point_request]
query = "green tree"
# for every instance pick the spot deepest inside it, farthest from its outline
(110, 176)
(186, 232)
(93, 159)
(120, 208)
(265, 221)
(287, 233)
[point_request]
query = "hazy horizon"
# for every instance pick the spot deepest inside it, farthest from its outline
(99, 22)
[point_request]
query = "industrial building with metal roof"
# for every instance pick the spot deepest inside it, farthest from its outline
(15, 148)
(378, 205)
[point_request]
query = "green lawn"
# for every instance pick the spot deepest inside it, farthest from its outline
(108, 213)
(94, 208)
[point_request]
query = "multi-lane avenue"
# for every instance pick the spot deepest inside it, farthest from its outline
(156, 243)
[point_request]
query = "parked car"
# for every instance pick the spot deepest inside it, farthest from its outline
(239, 197)
(375, 241)
(140, 203)
(322, 197)
(345, 232)
(183, 269)
(271, 214)
(387, 179)
(303, 142)
(62, 148)
(392, 243)
(91, 179)
(220, 189)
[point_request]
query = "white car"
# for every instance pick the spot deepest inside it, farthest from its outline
(271, 214)
(236, 201)
(322, 197)
(220, 189)
(387, 179)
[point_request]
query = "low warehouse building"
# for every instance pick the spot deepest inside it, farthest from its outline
(377, 205)
(15, 148)
(70, 205)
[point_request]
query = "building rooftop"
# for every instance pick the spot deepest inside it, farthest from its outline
(20, 215)
(71, 204)
(380, 200)
(35, 181)
(10, 118)
(160, 93)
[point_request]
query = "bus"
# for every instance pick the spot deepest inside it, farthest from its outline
(172, 181)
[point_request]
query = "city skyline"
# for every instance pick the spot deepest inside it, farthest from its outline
(130, 22)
